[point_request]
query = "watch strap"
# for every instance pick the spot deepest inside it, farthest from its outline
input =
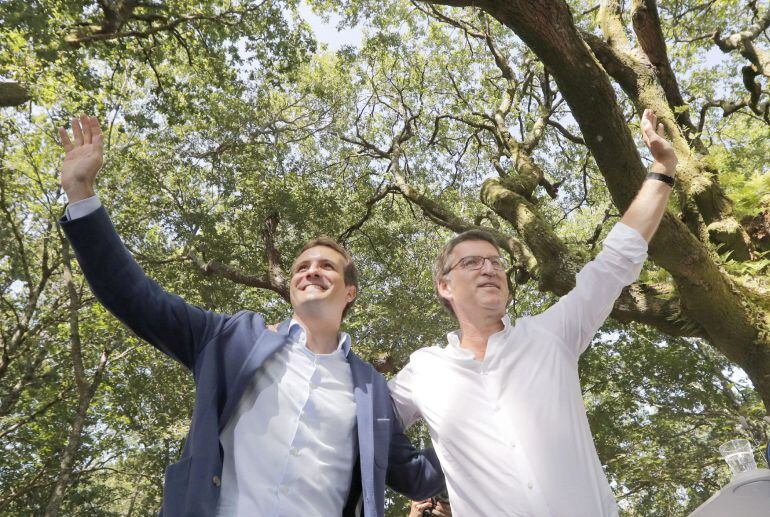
(665, 178)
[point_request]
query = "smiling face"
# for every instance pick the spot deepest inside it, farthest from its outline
(470, 290)
(318, 283)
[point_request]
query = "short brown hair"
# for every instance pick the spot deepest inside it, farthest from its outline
(350, 273)
(440, 266)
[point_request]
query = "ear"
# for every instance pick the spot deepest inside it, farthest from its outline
(443, 288)
(350, 293)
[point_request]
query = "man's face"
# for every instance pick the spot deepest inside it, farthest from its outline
(318, 282)
(469, 290)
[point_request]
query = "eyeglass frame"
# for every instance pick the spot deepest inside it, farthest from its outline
(503, 263)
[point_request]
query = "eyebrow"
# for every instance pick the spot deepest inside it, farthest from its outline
(308, 261)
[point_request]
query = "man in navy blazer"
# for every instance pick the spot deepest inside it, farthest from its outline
(276, 412)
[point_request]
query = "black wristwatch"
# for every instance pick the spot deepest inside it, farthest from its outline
(665, 178)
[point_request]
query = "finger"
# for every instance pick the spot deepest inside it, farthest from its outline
(95, 127)
(661, 130)
(85, 124)
(96, 131)
(65, 140)
(645, 135)
(77, 132)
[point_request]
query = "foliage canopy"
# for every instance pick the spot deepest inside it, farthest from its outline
(232, 133)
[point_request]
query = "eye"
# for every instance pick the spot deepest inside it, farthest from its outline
(301, 268)
(496, 262)
(471, 262)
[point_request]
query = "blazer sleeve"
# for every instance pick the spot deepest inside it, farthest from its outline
(165, 320)
(414, 473)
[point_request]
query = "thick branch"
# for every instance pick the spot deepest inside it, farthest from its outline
(113, 23)
(658, 306)
(649, 34)
(12, 94)
(759, 60)
(276, 275)
(555, 271)
(213, 267)
(712, 207)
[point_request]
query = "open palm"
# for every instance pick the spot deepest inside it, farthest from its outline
(654, 135)
(84, 154)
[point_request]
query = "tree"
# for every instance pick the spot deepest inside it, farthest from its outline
(232, 139)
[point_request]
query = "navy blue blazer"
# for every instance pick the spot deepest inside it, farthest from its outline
(224, 352)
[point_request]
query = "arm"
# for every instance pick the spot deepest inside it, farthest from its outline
(647, 208)
(577, 316)
(164, 320)
(416, 474)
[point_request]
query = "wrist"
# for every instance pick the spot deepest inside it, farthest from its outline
(663, 168)
(79, 192)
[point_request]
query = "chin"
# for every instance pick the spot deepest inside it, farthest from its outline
(494, 307)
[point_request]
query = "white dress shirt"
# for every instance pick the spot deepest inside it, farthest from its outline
(511, 431)
(291, 444)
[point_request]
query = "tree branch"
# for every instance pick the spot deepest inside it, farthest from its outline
(213, 267)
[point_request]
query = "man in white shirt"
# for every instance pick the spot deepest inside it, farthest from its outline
(286, 422)
(503, 403)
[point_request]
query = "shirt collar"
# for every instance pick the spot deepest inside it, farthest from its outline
(297, 335)
(453, 340)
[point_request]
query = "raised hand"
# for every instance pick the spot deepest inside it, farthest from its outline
(83, 158)
(654, 135)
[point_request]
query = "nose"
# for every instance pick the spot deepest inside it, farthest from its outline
(487, 268)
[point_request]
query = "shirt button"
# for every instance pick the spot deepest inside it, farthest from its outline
(530, 485)
(294, 451)
(216, 481)
(284, 489)
(513, 445)
(496, 408)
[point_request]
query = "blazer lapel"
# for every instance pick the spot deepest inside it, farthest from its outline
(266, 345)
(362, 391)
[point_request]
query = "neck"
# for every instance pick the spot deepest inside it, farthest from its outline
(475, 333)
(321, 334)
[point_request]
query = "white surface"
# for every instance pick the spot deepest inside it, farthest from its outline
(747, 495)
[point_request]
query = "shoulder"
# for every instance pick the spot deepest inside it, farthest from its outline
(242, 322)
(425, 355)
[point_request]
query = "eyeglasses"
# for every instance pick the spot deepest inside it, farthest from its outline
(474, 262)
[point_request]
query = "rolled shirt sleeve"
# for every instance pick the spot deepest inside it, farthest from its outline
(577, 316)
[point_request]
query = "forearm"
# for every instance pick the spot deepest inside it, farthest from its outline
(647, 209)
(79, 191)
(414, 474)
